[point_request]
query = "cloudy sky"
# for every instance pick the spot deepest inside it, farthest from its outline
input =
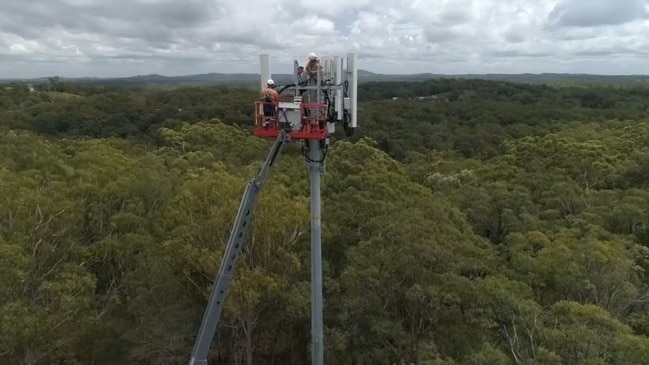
(175, 37)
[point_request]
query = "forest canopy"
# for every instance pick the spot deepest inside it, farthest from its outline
(467, 222)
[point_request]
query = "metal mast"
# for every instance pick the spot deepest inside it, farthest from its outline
(315, 162)
(317, 308)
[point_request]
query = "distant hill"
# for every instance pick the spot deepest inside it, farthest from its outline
(363, 76)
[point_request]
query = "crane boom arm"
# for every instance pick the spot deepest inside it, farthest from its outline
(232, 252)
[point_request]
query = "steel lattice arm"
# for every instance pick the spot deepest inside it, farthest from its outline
(231, 255)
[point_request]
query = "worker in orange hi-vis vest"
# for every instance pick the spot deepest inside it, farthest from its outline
(313, 66)
(270, 97)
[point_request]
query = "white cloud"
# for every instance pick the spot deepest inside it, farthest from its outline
(127, 37)
(573, 13)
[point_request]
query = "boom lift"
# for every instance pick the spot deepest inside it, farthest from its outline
(331, 100)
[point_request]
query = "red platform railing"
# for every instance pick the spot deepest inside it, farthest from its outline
(313, 118)
(260, 118)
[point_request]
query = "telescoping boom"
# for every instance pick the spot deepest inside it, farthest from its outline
(231, 256)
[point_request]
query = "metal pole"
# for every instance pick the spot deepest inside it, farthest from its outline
(317, 336)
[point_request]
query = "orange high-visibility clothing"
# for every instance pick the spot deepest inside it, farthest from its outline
(313, 66)
(270, 95)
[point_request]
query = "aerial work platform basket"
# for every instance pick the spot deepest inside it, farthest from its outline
(301, 120)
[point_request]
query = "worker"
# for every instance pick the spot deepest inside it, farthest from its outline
(270, 97)
(301, 80)
(313, 66)
(300, 74)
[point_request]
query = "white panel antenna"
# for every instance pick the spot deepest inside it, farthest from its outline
(352, 74)
(264, 61)
(339, 93)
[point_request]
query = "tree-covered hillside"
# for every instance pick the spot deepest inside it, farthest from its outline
(467, 222)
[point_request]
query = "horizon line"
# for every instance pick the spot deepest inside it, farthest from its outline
(360, 70)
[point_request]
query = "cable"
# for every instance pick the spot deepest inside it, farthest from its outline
(285, 87)
(347, 119)
(331, 110)
(306, 149)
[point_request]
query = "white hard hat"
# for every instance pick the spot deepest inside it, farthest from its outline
(312, 56)
(270, 82)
